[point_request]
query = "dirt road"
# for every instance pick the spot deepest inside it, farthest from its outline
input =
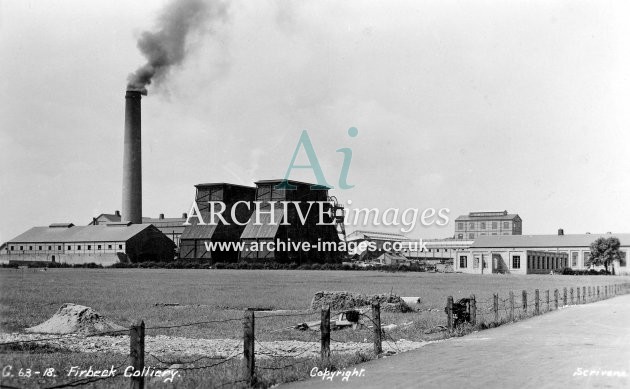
(579, 346)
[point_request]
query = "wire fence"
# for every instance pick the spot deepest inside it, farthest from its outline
(260, 363)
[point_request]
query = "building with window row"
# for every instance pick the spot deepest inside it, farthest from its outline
(534, 254)
(101, 244)
(477, 224)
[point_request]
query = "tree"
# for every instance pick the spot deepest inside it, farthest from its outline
(604, 251)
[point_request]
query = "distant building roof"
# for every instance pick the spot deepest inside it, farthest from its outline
(223, 184)
(281, 180)
(543, 241)
(106, 218)
(376, 235)
(487, 215)
(98, 233)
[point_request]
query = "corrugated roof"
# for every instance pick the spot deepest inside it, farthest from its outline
(265, 229)
(195, 231)
(223, 184)
(542, 241)
(98, 233)
(290, 182)
(166, 222)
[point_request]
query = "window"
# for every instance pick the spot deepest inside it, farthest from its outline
(89, 247)
(78, 247)
(483, 225)
(574, 258)
(21, 248)
(476, 262)
(516, 262)
(460, 226)
(12, 248)
(529, 261)
(471, 236)
(99, 247)
(109, 246)
(49, 248)
(463, 261)
(460, 236)
(40, 248)
(494, 225)
(471, 225)
(587, 258)
(547, 263)
(69, 247)
(119, 247)
(506, 224)
(59, 248)
(537, 262)
(622, 258)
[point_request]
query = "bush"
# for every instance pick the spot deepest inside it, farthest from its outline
(567, 271)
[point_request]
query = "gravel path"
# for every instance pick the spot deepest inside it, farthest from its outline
(168, 345)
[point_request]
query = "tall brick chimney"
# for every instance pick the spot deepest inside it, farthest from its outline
(132, 160)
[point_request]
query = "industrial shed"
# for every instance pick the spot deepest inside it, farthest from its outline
(100, 244)
(268, 191)
(194, 236)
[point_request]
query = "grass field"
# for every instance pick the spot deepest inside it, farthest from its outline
(29, 297)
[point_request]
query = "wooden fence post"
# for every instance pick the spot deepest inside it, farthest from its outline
(536, 302)
(555, 297)
(449, 313)
(473, 309)
(376, 317)
(578, 295)
(564, 297)
(589, 292)
(547, 297)
(525, 301)
(249, 367)
(511, 306)
(325, 337)
(606, 291)
(136, 353)
(598, 292)
(495, 306)
(571, 294)
(584, 295)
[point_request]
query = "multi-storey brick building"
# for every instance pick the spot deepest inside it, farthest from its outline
(477, 224)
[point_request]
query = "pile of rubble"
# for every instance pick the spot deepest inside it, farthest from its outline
(345, 300)
(76, 319)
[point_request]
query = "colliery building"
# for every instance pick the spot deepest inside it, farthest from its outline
(535, 254)
(477, 224)
(255, 235)
(195, 236)
(101, 244)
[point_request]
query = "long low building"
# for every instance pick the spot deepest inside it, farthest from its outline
(100, 244)
(534, 254)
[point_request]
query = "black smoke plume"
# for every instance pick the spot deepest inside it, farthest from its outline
(166, 45)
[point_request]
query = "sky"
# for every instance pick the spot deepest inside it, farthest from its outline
(465, 105)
